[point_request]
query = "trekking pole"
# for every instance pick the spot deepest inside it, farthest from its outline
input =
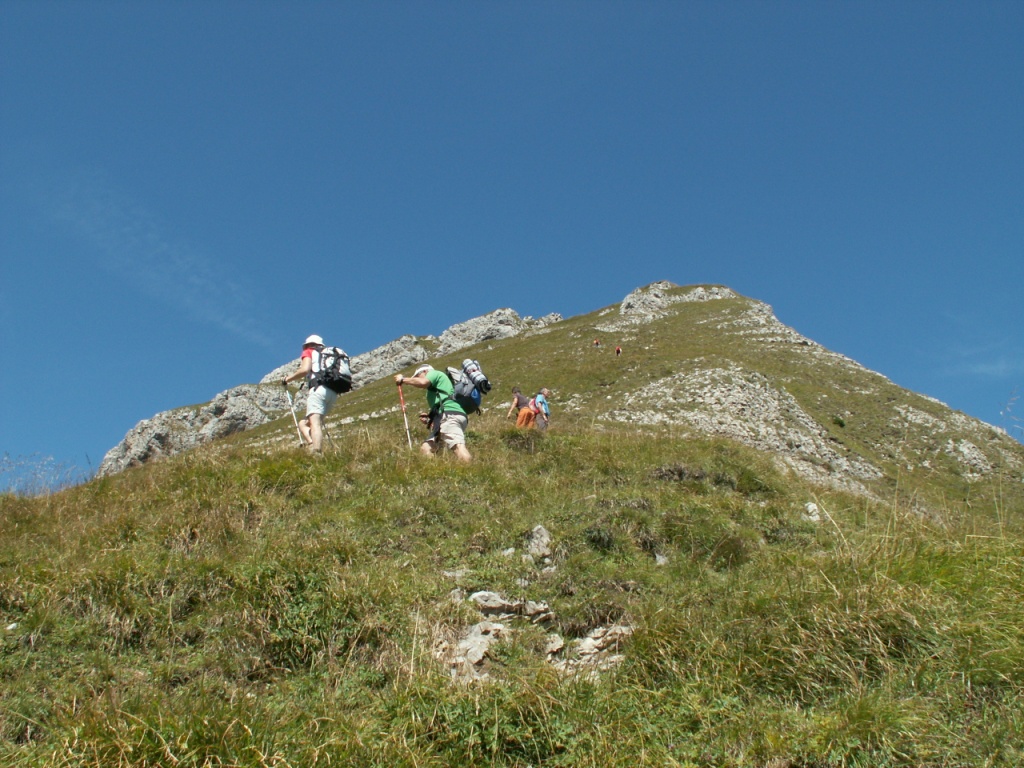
(323, 426)
(405, 417)
(291, 407)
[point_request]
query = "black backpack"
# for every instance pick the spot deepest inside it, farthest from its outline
(335, 372)
(469, 385)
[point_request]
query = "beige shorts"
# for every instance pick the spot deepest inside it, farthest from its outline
(452, 431)
(320, 400)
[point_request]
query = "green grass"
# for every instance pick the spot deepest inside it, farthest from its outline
(258, 608)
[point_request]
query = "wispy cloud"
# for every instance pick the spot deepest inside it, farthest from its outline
(999, 368)
(133, 245)
(994, 359)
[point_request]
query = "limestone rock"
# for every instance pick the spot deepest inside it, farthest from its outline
(593, 654)
(539, 542)
(493, 604)
(499, 324)
(652, 301)
(179, 430)
(744, 405)
(468, 660)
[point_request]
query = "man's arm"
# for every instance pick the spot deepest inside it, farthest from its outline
(420, 382)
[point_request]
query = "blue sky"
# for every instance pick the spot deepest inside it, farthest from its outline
(188, 189)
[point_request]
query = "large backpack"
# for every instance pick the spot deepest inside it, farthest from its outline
(469, 385)
(335, 372)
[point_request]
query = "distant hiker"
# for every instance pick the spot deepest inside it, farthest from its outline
(527, 416)
(446, 419)
(541, 408)
(597, 343)
(519, 402)
(618, 351)
(322, 393)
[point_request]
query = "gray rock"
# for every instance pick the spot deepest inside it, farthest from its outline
(468, 659)
(539, 542)
(172, 432)
(593, 654)
(499, 324)
(492, 603)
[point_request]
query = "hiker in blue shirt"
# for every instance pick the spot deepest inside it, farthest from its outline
(543, 410)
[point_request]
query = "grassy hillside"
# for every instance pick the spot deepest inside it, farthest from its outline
(247, 605)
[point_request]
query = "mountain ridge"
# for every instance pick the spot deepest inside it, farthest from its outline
(731, 369)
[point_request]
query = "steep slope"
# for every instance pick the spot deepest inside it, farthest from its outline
(698, 360)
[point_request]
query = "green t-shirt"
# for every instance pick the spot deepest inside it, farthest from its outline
(442, 393)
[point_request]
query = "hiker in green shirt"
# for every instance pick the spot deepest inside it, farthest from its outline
(447, 419)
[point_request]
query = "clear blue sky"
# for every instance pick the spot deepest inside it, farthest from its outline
(188, 189)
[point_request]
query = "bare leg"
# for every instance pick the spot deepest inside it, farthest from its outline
(304, 428)
(316, 432)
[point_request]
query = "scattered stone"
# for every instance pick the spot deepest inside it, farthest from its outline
(492, 603)
(554, 645)
(538, 542)
(603, 639)
(595, 653)
(974, 463)
(811, 512)
(468, 661)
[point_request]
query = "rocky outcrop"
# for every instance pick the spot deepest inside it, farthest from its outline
(746, 406)
(499, 324)
(742, 403)
(171, 432)
(644, 305)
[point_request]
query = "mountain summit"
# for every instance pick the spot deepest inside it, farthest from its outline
(695, 360)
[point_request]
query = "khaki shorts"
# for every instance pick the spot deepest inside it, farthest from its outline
(452, 430)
